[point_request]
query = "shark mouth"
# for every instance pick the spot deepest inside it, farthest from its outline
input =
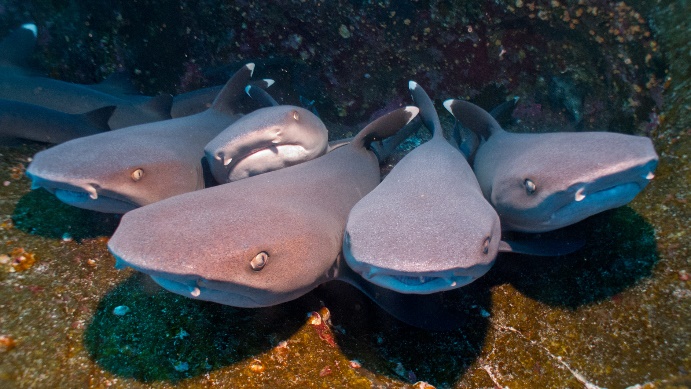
(581, 201)
(264, 159)
(86, 197)
(423, 283)
(587, 202)
(198, 290)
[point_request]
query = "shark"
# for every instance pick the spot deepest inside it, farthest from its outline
(542, 182)
(117, 171)
(269, 238)
(20, 84)
(22, 121)
(427, 227)
(196, 101)
(266, 139)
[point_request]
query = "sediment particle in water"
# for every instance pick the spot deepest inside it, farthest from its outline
(7, 343)
(182, 366)
(121, 310)
(325, 371)
(21, 259)
(344, 32)
(257, 366)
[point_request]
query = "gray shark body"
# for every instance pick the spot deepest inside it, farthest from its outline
(121, 170)
(263, 240)
(541, 182)
(74, 98)
(22, 85)
(427, 227)
(193, 102)
(32, 122)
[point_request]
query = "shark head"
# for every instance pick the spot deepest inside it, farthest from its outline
(258, 254)
(112, 173)
(541, 182)
(409, 249)
(267, 139)
(557, 179)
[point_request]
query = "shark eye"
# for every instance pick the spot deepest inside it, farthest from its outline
(295, 115)
(259, 261)
(137, 175)
(485, 245)
(529, 186)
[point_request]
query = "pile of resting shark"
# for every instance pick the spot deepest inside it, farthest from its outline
(255, 209)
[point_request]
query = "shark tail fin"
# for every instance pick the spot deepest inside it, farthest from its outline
(428, 113)
(99, 117)
(386, 126)
(473, 117)
(233, 89)
(159, 105)
(19, 45)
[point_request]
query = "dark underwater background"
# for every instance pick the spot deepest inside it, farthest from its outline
(616, 314)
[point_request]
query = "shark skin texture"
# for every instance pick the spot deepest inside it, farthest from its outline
(21, 121)
(542, 182)
(427, 227)
(270, 238)
(117, 171)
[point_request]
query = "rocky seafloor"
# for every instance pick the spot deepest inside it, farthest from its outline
(616, 314)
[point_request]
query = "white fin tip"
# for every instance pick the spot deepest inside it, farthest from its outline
(412, 84)
(413, 112)
(31, 27)
(447, 105)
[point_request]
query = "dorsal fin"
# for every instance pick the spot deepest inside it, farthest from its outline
(233, 89)
(18, 46)
(99, 117)
(474, 118)
(260, 96)
(428, 113)
(385, 126)
(160, 105)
